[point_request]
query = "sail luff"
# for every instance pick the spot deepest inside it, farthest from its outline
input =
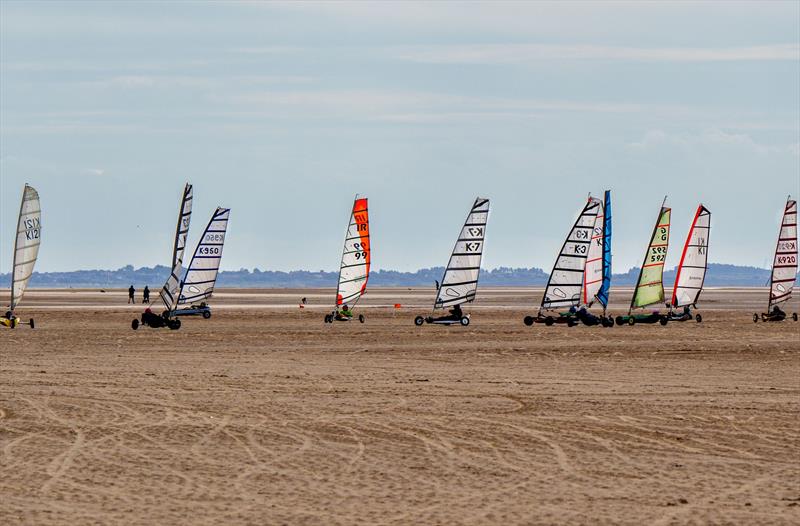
(26, 243)
(602, 294)
(694, 260)
(566, 279)
(356, 256)
(784, 264)
(460, 280)
(653, 265)
(201, 274)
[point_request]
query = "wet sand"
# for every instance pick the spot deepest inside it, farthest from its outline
(265, 415)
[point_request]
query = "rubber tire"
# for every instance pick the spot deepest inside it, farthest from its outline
(528, 320)
(663, 320)
(165, 314)
(33, 325)
(429, 319)
(608, 322)
(327, 318)
(755, 318)
(549, 321)
(698, 318)
(206, 314)
(620, 320)
(631, 320)
(464, 321)
(175, 325)
(419, 320)
(135, 324)
(571, 322)
(361, 318)
(794, 318)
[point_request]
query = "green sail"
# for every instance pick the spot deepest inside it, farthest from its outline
(650, 287)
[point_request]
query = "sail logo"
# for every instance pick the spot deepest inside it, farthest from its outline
(32, 227)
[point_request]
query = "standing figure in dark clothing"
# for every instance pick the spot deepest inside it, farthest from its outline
(146, 294)
(131, 291)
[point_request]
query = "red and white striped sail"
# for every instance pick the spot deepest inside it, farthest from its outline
(784, 266)
(356, 256)
(593, 273)
(694, 261)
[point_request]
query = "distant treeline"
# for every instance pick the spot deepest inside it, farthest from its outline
(719, 275)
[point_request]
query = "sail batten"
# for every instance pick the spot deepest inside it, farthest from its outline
(201, 275)
(692, 268)
(460, 280)
(784, 264)
(356, 255)
(566, 282)
(26, 243)
(650, 285)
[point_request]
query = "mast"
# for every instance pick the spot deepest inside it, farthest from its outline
(784, 265)
(201, 276)
(460, 280)
(356, 255)
(654, 258)
(26, 243)
(602, 294)
(566, 279)
(694, 258)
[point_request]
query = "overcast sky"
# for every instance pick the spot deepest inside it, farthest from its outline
(284, 112)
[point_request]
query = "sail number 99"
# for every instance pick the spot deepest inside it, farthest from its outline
(361, 250)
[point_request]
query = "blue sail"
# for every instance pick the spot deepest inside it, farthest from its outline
(602, 294)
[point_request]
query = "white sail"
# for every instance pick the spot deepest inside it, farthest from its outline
(460, 280)
(169, 292)
(182, 230)
(566, 279)
(204, 266)
(593, 273)
(26, 246)
(356, 256)
(784, 266)
(694, 261)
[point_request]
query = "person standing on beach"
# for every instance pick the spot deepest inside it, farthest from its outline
(131, 291)
(146, 294)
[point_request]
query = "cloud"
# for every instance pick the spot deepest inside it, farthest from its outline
(521, 53)
(712, 137)
(96, 172)
(409, 105)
